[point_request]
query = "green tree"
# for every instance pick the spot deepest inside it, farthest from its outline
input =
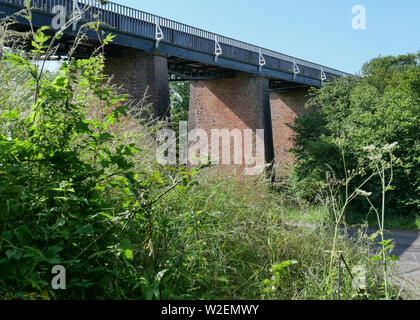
(379, 108)
(180, 102)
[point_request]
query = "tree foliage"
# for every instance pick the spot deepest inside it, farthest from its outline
(379, 108)
(180, 102)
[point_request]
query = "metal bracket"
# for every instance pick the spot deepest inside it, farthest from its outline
(323, 75)
(296, 69)
(77, 16)
(261, 61)
(217, 49)
(158, 34)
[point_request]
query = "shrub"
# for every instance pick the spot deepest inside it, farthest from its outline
(70, 190)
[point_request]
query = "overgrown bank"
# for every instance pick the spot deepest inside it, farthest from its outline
(79, 187)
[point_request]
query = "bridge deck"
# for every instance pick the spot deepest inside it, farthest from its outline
(185, 46)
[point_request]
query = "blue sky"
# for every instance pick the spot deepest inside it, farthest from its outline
(316, 30)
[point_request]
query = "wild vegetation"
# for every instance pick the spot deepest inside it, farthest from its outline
(382, 107)
(80, 187)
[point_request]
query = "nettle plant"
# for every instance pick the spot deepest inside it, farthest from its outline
(69, 190)
(53, 173)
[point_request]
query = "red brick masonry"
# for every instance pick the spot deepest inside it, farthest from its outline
(285, 107)
(243, 102)
(239, 104)
(236, 103)
(137, 71)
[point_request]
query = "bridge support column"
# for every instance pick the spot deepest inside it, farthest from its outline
(285, 107)
(234, 104)
(138, 72)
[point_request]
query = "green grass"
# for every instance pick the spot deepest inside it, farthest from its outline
(318, 216)
(313, 215)
(392, 222)
(224, 240)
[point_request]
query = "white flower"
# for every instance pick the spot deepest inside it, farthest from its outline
(390, 147)
(370, 148)
(363, 193)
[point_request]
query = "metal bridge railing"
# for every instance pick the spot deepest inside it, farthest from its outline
(144, 24)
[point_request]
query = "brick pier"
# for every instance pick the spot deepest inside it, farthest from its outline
(138, 71)
(285, 107)
(234, 104)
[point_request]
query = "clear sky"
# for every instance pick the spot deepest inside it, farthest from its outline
(316, 30)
